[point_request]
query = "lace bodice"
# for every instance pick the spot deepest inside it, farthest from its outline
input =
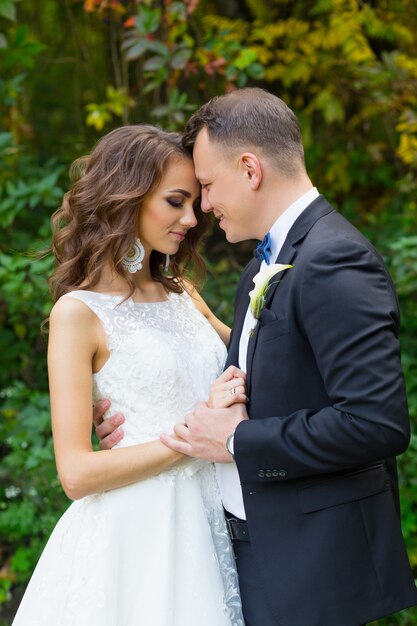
(163, 358)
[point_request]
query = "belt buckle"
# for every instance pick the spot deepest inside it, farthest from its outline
(230, 528)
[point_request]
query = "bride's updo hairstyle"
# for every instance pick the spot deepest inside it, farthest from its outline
(97, 221)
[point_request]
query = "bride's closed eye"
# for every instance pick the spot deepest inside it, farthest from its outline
(175, 202)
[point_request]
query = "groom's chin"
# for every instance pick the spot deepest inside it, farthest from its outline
(232, 237)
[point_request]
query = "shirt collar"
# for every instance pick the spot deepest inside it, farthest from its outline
(280, 229)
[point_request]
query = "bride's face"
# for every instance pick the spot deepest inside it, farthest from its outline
(167, 213)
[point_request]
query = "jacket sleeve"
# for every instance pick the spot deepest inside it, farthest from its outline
(347, 310)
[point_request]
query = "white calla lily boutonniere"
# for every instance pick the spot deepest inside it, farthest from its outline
(258, 294)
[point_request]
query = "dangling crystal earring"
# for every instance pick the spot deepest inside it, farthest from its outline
(166, 264)
(133, 260)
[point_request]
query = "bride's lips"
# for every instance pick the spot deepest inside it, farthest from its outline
(179, 236)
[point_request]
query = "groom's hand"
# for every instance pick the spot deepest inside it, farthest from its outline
(108, 431)
(203, 434)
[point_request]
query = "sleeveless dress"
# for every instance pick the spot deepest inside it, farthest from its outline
(156, 552)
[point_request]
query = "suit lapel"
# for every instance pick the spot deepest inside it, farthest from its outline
(317, 209)
(242, 303)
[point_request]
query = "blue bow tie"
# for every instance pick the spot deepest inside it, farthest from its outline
(263, 249)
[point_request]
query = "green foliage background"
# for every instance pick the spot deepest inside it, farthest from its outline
(72, 70)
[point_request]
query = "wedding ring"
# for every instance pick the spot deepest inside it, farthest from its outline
(232, 391)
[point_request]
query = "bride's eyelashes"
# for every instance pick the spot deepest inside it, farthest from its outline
(175, 202)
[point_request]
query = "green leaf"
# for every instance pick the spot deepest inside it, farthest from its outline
(136, 50)
(8, 9)
(161, 111)
(154, 63)
(256, 71)
(246, 57)
(148, 20)
(177, 10)
(180, 59)
(98, 116)
(159, 48)
(331, 106)
(22, 560)
(152, 85)
(22, 33)
(20, 330)
(6, 140)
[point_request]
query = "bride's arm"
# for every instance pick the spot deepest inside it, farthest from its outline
(222, 330)
(73, 342)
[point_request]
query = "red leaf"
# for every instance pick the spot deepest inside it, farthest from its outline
(129, 22)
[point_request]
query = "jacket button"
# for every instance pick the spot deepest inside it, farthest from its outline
(261, 474)
(268, 474)
(275, 473)
(282, 473)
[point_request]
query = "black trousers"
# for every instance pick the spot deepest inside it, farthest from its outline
(254, 601)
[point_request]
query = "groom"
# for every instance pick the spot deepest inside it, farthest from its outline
(307, 468)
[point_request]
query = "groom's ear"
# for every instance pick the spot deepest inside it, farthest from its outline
(252, 169)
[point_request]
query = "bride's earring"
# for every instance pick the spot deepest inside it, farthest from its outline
(133, 260)
(166, 264)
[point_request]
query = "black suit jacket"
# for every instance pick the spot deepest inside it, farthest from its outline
(328, 415)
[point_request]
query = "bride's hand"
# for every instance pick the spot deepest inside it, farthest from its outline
(228, 389)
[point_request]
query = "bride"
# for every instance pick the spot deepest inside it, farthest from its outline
(144, 543)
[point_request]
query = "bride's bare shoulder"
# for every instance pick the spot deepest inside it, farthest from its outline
(69, 310)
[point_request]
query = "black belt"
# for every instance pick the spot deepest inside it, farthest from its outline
(238, 528)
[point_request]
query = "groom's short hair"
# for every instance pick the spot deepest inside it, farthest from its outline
(251, 118)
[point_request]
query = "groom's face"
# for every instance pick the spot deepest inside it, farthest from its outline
(223, 188)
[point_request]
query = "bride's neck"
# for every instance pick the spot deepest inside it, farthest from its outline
(111, 282)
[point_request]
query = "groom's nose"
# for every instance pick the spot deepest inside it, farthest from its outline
(205, 203)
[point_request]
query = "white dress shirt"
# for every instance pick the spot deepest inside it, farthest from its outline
(227, 473)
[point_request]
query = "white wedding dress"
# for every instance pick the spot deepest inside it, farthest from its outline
(157, 552)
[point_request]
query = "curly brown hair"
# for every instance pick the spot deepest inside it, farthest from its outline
(96, 221)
